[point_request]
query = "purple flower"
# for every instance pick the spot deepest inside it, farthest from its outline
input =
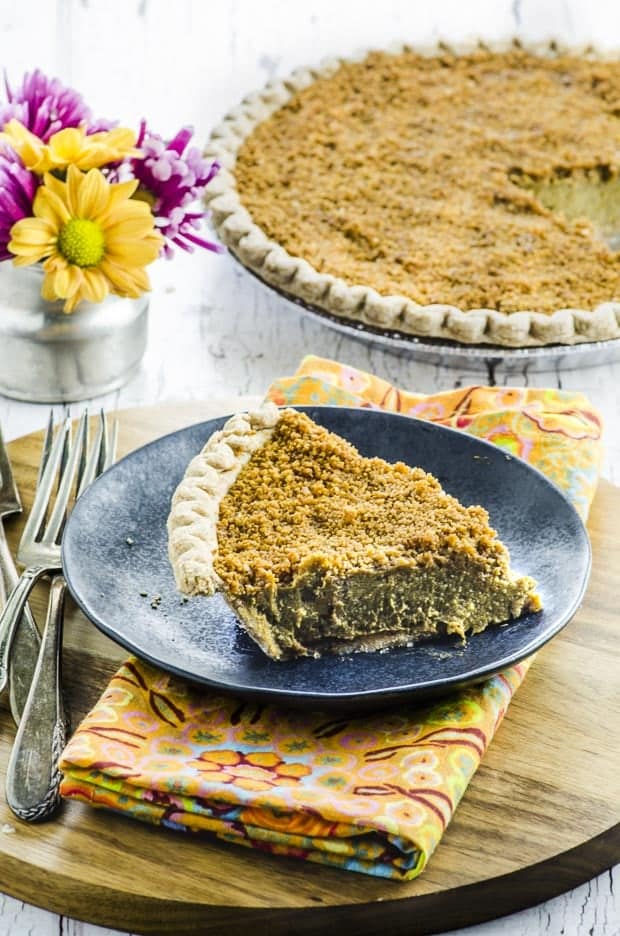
(17, 190)
(44, 106)
(172, 178)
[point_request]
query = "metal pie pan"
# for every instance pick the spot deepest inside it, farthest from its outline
(447, 353)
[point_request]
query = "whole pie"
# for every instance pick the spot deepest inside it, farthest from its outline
(318, 549)
(470, 194)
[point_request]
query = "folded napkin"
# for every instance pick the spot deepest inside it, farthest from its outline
(370, 793)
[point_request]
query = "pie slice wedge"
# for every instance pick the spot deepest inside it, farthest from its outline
(321, 550)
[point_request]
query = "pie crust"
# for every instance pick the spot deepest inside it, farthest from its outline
(192, 522)
(295, 277)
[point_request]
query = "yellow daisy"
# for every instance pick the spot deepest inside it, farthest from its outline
(91, 235)
(71, 146)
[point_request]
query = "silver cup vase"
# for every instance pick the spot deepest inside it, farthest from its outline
(49, 356)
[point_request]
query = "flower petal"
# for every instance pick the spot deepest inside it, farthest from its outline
(57, 186)
(61, 282)
(49, 207)
(33, 238)
(55, 262)
(92, 198)
(92, 156)
(48, 291)
(73, 186)
(72, 302)
(34, 231)
(76, 278)
(32, 150)
(131, 252)
(129, 227)
(126, 210)
(96, 286)
(68, 281)
(118, 139)
(120, 191)
(125, 282)
(65, 146)
(24, 256)
(26, 261)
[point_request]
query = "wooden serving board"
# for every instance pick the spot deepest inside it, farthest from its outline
(537, 819)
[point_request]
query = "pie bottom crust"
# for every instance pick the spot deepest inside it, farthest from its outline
(261, 631)
(295, 277)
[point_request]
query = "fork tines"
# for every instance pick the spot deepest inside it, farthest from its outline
(9, 495)
(69, 461)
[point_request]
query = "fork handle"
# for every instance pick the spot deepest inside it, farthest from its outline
(11, 615)
(26, 641)
(33, 778)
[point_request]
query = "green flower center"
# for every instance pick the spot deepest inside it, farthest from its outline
(81, 242)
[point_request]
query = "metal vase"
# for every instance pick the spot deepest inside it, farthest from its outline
(49, 356)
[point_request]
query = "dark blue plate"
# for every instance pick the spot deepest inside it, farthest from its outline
(115, 561)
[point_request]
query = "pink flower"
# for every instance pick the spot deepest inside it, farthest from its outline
(45, 106)
(17, 191)
(172, 178)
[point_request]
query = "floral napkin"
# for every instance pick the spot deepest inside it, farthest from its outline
(372, 793)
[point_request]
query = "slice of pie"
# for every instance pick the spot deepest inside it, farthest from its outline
(318, 549)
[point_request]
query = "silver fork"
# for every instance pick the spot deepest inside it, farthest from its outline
(27, 640)
(32, 774)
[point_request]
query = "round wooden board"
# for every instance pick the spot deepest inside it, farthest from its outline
(537, 819)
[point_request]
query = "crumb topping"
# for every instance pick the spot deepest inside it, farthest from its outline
(308, 500)
(421, 176)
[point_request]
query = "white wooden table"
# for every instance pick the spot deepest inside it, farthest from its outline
(214, 330)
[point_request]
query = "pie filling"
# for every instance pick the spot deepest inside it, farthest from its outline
(372, 609)
(591, 195)
(322, 550)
